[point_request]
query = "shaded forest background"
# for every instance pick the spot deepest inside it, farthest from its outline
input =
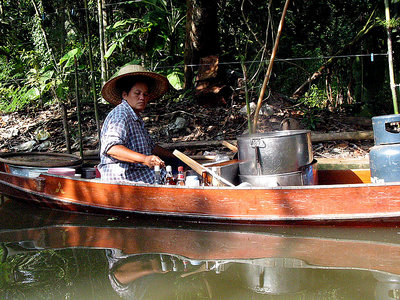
(332, 56)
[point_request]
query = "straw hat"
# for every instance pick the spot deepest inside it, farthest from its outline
(158, 84)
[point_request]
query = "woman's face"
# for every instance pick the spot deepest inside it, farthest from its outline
(137, 97)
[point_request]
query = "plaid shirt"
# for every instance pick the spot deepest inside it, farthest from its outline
(124, 127)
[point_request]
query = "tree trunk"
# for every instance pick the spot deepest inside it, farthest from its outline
(103, 46)
(201, 35)
(96, 111)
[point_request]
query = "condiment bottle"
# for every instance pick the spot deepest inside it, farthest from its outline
(157, 175)
(181, 176)
(204, 177)
(169, 178)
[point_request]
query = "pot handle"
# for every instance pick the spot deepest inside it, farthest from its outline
(258, 161)
(257, 143)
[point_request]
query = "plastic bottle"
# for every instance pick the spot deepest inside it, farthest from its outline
(157, 175)
(215, 181)
(169, 178)
(181, 176)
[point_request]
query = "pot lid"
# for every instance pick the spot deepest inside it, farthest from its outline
(40, 159)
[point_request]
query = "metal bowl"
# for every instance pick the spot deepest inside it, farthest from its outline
(286, 179)
(307, 175)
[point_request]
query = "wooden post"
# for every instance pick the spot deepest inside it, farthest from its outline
(269, 70)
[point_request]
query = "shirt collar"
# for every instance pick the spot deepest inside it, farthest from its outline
(136, 117)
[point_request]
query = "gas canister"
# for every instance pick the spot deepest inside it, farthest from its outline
(384, 157)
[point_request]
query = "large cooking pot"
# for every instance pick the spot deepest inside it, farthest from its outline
(274, 152)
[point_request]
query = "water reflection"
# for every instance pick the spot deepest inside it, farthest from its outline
(53, 254)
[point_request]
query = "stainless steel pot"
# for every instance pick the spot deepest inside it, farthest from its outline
(274, 152)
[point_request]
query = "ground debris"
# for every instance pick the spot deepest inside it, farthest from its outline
(172, 120)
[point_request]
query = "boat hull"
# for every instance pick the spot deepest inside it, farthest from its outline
(338, 202)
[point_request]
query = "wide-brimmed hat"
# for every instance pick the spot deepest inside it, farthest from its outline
(158, 84)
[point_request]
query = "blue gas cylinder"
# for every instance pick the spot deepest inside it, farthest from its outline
(384, 157)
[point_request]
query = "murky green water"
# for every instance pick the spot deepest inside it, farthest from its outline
(48, 254)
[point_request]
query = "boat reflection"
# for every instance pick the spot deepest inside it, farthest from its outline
(215, 260)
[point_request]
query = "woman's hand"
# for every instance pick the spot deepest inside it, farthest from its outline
(153, 160)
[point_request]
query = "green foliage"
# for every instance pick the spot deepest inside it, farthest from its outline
(314, 98)
(152, 33)
(314, 102)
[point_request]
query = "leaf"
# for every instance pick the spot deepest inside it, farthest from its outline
(110, 51)
(32, 94)
(175, 80)
(46, 76)
(70, 55)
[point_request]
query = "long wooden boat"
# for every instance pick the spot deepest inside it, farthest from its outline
(341, 195)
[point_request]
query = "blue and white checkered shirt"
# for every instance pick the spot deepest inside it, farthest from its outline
(124, 127)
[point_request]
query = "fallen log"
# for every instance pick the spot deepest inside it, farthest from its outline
(335, 136)
(315, 138)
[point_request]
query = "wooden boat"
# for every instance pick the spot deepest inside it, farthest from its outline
(341, 195)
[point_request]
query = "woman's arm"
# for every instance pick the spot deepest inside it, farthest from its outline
(160, 151)
(123, 153)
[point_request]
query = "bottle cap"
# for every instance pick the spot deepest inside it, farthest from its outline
(168, 168)
(180, 169)
(157, 168)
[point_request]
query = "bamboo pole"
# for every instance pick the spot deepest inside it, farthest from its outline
(269, 70)
(96, 110)
(246, 93)
(102, 45)
(390, 57)
(78, 109)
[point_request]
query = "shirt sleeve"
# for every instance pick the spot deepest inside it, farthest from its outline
(114, 133)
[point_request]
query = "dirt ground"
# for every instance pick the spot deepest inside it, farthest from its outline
(170, 121)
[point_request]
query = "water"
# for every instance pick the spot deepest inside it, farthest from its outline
(48, 254)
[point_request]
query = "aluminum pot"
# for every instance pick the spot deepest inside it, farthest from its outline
(274, 152)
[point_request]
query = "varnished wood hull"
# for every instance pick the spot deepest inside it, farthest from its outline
(321, 203)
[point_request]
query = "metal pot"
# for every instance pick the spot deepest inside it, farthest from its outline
(274, 152)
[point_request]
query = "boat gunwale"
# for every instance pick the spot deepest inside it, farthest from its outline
(294, 187)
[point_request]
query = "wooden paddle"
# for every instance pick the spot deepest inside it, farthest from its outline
(198, 168)
(228, 145)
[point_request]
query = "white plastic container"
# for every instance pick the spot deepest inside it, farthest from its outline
(192, 180)
(62, 171)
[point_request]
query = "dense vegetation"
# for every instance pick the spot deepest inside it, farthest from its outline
(41, 40)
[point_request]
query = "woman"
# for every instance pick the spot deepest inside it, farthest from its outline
(127, 150)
